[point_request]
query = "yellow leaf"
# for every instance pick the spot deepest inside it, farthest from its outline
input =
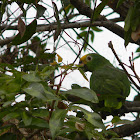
(54, 63)
(65, 67)
(59, 58)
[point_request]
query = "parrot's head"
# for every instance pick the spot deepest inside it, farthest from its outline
(91, 62)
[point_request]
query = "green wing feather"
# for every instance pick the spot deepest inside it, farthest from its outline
(110, 81)
(111, 84)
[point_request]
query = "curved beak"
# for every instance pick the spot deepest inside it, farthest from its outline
(83, 60)
(82, 64)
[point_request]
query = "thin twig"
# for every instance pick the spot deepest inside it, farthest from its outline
(91, 20)
(133, 68)
(111, 46)
(90, 24)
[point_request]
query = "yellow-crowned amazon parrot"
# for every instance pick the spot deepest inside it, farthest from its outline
(110, 84)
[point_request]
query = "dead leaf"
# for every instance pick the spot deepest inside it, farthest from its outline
(136, 34)
(59, 58)
(21, 27)
(56, 15)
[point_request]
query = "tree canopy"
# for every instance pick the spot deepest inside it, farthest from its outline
(32, 104)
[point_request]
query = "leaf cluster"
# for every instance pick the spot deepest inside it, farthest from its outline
(43, 108)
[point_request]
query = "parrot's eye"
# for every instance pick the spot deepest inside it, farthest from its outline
(89, 58)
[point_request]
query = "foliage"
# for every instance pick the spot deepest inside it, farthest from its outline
(32, 105)
(132, 21)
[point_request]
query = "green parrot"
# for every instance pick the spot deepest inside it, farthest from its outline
(110, 84)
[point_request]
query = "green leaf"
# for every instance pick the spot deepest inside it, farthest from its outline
(95, 119)
(8, 136)
(127, 37)
(119, 3)
(75, 86)
(12, 115)
(88, 2)
(47, 71)
(99, 9)
(128, 19)
(137, 57)
(40, 113)
(35, 90)
(135, 22)
(40, 10)
(92, 117)
(10, 85)
(3, 113)
(7, 103)
(1, 69)
(38, 90)
(56, 121)
(138, 49)
(26, 118)
(84, 93)
(83, 28)
(117, 121)
(31, 77)
(30, 30)
(39, 123)
(50, 96)
(82, 34)
(96, 29)
(65, 3)
(56, 15)
(92, 35)
(13, 87)
(83, 73)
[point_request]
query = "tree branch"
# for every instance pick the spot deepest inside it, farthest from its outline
(132, 104)
(50, 27)
(123, 8)
(87, 11)
(84, 10)
(6, 41)
(127, 129)
(133, 109)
